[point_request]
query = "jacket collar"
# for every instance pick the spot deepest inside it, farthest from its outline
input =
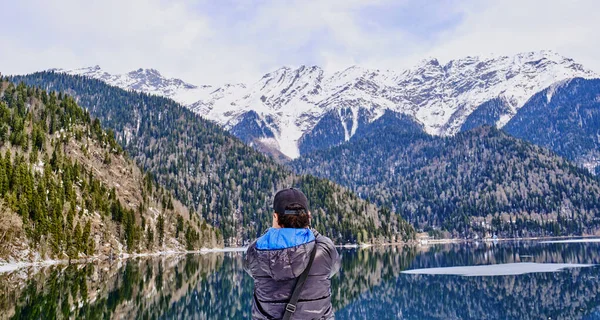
(282, 238)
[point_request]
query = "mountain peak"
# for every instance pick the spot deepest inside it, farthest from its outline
(430, 61)
(291, 101)
(547, 54)
(293, 70)
(141, 72)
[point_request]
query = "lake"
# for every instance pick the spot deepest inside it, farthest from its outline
(485, 280)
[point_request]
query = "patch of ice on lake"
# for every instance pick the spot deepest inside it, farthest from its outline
(506, 269)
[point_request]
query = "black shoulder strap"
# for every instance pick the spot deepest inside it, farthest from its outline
(291, 306)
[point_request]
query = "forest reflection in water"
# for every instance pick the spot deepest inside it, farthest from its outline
(370, 285)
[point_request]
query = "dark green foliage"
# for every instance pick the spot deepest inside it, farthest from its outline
(160, 229)
(564, 118)
(56, 196)
(250, 127)
(149, 238)
(458, 183)
(230, 184)
(329, 131)
(45, 196)
(179, 226)
(487, 114)
(401, 124)
(191, 237)
(342, 215)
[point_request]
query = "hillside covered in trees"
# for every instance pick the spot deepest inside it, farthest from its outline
(230, 184)
(67, 190)
(564, 118)
(480, 182)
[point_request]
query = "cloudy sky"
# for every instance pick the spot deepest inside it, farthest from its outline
(237, 41)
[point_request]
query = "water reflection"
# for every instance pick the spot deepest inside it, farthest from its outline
(370, 285)
(570, 294)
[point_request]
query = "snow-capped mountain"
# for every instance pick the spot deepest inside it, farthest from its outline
(297, 110)
(145, 80)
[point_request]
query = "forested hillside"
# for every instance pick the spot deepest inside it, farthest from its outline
(230, 184)
(68, 191)
(564, 118)
(480, 182)
(486, 114)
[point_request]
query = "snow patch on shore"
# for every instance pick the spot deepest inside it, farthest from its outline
(10, 267)
(506, 269)
(13, 266)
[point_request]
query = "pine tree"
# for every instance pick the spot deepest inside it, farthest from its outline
(160, 229)
(87, 241)
(179, 226)
(149, 238)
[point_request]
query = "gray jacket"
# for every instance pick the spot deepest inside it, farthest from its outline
(277, 258)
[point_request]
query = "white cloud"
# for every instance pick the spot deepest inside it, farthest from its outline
(511, 26)
(182, 40)
(201, 43)
(119, 35)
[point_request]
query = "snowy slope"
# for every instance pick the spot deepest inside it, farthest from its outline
(291, 101)
(144, 80)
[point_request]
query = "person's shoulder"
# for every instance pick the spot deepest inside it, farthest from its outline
(253, 243)
(251, 247)
(325, 245)
(321, 239)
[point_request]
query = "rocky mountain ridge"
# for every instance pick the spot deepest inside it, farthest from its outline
(283, 108)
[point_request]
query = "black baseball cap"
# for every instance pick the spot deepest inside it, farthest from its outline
(288, 197)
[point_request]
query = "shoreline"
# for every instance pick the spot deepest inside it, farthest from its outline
(461, 240)
(14, 266)
(537, 239)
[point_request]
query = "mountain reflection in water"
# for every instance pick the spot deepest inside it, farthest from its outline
(370, 285)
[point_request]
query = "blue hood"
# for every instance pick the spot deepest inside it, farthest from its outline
(276, 239)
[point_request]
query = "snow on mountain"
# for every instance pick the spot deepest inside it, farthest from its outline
(290, 102)
(145, 80)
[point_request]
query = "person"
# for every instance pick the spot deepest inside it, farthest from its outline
(277, 259)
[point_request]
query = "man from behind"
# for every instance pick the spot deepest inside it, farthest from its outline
(277, 260)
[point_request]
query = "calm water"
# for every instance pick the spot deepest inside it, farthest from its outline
(371, 285)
